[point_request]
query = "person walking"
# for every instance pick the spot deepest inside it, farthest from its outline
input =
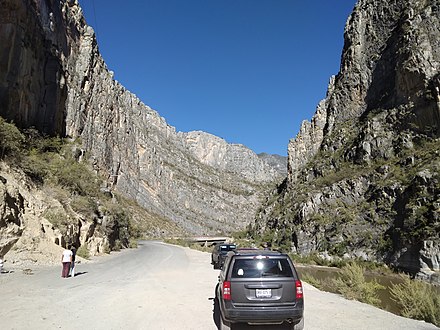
(1, 263)
(66, 259)
(72, 264)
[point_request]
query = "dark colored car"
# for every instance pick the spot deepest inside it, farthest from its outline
(219, 252)
(260, 287)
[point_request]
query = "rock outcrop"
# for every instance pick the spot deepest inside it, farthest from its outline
(26, 235)
(53, 78)
(363, 175)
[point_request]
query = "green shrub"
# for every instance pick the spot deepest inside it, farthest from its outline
(106, 248)
(312, 281)
(117, 246)
(134, 230)
(242, 234)
(117, 225)
(353, 285)
(11, 139)
(417, 300)
(36, 166)
(75, 176)
(339, 249)
(268, 236)
(37, 141)
(83, 252)
(133, 243)
(84, 205)
(310, 259)
(58, 219)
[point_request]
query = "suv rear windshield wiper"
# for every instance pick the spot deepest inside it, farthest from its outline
(267, 274)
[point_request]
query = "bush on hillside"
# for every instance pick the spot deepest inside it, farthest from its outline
(58, 219)
(75, 176)
(52, 163)
(84, 205)
(417, 300)
(11, 139)
(353, 285)
(83, 252)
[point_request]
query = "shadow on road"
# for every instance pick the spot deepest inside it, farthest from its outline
(79, 274)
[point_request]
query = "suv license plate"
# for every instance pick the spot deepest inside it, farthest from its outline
(263, 293)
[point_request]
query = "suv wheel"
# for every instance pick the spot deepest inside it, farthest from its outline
(299, 325)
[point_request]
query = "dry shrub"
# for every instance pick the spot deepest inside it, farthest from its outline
(353, 285)
(310, 279)
(83, 252)
(417, 300)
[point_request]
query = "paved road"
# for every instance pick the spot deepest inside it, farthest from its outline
(156, 286)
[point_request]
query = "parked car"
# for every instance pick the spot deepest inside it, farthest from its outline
(260, 287)
(219, 252)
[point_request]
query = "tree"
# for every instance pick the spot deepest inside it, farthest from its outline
(11, 140)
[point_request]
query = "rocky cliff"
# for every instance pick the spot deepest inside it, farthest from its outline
(363, 175)
(27, 235)
(53, 78)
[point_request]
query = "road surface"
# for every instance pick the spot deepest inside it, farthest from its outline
(156, 286)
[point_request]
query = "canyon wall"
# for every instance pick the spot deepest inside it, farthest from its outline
(363, 174)
(53, 78)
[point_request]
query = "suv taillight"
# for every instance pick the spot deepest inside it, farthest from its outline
(227, 290)
(299, 289)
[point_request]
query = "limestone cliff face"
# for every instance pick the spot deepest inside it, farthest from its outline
(32, 80)
(53, 77)
(390, 59)
(36, 221)
(363, 175)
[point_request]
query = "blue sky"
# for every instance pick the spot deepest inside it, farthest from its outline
(248, 71)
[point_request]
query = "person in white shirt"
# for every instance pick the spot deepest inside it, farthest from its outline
(1, 263)
(66, 259)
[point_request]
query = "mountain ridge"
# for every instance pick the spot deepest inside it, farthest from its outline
(363, 173)
(54, 79)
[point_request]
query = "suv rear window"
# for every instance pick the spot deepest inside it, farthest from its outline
(265, 267)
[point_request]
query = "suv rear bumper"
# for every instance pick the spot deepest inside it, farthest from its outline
(263, 315)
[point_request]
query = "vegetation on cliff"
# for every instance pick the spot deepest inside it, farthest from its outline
(363, 179)
(417, 300)
(60, 169)
(367, 209)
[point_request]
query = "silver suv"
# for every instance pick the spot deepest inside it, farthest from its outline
(260, 287)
